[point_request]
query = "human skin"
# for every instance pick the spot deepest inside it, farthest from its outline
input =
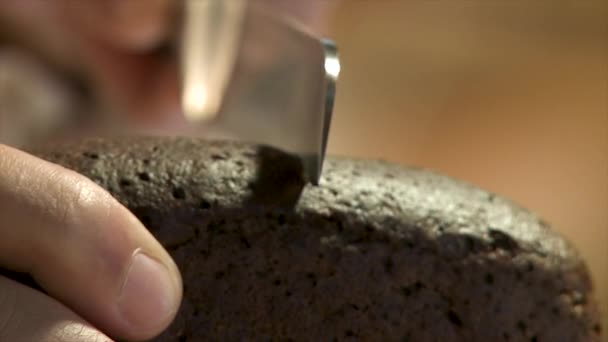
(103, 274)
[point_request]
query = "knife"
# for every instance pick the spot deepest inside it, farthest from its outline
(258, 76)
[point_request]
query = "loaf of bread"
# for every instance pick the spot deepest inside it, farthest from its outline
(376, 252)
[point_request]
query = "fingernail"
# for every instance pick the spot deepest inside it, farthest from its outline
(148, 300)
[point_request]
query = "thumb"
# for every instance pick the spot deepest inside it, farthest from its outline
(84, 248)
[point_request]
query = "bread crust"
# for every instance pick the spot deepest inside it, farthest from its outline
(376, 252)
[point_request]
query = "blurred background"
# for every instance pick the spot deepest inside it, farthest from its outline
(511, 96)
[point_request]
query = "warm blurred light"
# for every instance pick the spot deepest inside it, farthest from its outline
(211, 36)
(195, 103)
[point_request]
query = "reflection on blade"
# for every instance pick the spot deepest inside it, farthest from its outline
(212, 30)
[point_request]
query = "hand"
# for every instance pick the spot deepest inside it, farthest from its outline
(104, 273)
(117, 45)
(118, 39)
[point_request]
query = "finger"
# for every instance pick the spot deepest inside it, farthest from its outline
(131, 24)
(143, 87)
(84, 248)
(28, 315)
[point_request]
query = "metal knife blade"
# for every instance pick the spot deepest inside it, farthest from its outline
(259, 77)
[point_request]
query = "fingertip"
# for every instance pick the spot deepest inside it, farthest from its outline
(134, 25)
(150, 296)
(142, 25)
(149, 284)
(146, 283)
(90, 252)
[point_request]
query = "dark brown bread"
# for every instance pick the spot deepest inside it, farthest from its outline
(377, 252)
